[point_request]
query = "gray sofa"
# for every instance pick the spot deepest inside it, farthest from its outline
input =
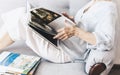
(46, 67)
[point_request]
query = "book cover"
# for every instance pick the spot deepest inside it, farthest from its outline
(17, 64)
(47, 22)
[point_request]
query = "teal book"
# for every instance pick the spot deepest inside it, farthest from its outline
(18, 64)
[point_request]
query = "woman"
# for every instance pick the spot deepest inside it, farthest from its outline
(96, 26)
(93, 34)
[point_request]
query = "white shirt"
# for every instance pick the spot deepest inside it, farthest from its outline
(99, 19)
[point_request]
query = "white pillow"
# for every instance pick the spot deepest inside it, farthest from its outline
(7, 5)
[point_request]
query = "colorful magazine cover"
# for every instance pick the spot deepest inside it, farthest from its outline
(17, 64)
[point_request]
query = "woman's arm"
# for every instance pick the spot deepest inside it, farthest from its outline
(70, 31)
(5, 41)
(86, 36)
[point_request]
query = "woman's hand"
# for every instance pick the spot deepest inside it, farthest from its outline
(69, 17)
(72, 30)
(66, 32)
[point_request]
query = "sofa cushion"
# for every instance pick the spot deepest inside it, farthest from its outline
(46, 67)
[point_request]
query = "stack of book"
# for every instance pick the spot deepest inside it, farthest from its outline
(17, 64)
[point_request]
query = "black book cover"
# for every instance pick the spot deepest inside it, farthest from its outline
(40, 18)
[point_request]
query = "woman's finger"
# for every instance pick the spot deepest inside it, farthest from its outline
(69, 17)
(63, 36)
(60, 30)
(65, 14)
(59, 34)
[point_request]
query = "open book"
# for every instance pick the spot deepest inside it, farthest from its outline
(47, 22)
(17, 64)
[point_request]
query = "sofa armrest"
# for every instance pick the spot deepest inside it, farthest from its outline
(97, 69)
(99, 56)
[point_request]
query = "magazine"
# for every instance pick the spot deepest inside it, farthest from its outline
(17, 64)
(47, 22)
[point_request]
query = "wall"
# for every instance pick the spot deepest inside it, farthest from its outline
(117, 39)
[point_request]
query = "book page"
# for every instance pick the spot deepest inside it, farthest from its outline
(60, 22)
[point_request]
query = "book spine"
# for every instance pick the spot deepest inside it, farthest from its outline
(23, 74)
(13, 73)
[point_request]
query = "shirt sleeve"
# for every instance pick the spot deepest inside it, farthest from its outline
(105, 31)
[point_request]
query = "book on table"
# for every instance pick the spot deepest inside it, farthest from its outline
(18, 64)
(47, 22)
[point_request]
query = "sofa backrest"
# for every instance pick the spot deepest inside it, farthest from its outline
(69, 6)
